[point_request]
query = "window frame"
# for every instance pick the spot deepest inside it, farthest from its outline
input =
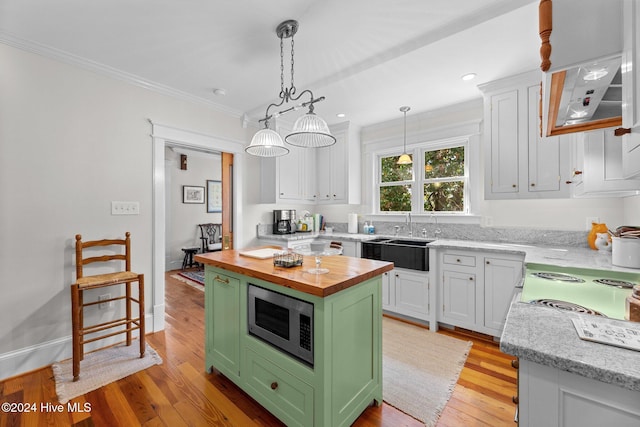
(419, 179)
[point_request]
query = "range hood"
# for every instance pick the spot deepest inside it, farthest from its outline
(585, 97)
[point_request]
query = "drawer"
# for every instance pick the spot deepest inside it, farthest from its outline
(457, 259)
(283, 394)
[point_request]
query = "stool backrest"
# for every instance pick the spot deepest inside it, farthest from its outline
(81, 261)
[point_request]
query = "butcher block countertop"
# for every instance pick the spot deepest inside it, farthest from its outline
(344, 271)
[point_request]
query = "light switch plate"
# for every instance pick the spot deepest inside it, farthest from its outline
(125, 208)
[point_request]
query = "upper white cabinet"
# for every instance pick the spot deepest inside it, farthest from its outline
(315, 175)
(631, 90)
(598, 171)
(338, 167)
(519, 163)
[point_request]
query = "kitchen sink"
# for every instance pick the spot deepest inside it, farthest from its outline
(419, 243)
(404, 253)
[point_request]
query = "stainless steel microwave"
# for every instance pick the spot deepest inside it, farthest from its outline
(282, 321)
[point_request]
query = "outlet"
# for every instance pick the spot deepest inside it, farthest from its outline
(591, 219)
(125, 208)
(105, 305)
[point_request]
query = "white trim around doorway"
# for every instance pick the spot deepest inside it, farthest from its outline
(163, 136)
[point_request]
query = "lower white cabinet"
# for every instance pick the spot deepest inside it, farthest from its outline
(476, 288)
(406, 292)
(551, 397)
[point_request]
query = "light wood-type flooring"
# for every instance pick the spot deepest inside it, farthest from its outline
(181, 393)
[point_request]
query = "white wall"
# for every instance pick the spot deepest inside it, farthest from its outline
(631, 211)
(72, 141)
(183, 218)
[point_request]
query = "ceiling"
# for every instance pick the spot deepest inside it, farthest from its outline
(367, 57)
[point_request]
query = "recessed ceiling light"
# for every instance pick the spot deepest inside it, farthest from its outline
(469, 76)
(341, 115)
(219, 92)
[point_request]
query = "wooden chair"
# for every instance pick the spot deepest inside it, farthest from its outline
(211, 237)
(126, 324)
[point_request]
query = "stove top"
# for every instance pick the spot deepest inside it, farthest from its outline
(598, 292)
(564, 305)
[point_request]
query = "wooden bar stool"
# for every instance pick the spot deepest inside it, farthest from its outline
(126, 324)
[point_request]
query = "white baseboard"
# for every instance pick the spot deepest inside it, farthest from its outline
(44, 354)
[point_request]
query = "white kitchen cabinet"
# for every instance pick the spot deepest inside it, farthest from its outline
(458, 293)
(333, 167)
(519, 163)
(631, 90)
(599, 163)
(500, 277)
(552, 397)
(287, 244)
(406, 292)
(475, 288)
(327, 175)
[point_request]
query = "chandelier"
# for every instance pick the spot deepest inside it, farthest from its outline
(309, 130)
(404, 159)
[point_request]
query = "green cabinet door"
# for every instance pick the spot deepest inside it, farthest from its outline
(222, 308)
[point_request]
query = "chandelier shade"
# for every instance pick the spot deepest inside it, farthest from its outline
(310, 131)
(267, 143)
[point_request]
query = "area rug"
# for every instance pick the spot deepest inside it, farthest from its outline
(100, 368)
(419, 369)
(193, 278)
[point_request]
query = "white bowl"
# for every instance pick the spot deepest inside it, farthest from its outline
(625, 252)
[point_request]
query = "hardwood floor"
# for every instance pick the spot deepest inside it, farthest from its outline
(180, 393)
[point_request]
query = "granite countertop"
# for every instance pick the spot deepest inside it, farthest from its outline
(547, 336)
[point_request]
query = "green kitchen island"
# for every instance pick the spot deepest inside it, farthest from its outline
(346, 375)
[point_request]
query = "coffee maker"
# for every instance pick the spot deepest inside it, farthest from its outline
(283, 221)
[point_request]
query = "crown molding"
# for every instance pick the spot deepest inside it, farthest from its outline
(105, 70)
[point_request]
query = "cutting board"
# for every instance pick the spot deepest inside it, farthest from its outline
(263, 253)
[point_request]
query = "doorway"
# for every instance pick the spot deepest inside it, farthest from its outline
(165, 136)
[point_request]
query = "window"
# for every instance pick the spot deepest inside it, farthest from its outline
(435, 182)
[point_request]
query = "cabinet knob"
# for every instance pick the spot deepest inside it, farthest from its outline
(488, 262)
(533, 184)
(282, 194)
(568, 182)
(396, 274)
(274, 385)
(513, 185)
(334, 196)
(621, 131)
(458, 260)
(577, 172)
(515, 399)
(470, 278)
(515, 364)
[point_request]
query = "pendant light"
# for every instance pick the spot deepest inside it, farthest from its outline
(309, 131)
(405, 159)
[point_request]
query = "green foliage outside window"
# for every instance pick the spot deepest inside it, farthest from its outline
(444, 163)
(395, 198)
(443, 183)
(444, 196)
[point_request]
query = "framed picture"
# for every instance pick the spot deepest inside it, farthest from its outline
(214, 196)
(191, 194)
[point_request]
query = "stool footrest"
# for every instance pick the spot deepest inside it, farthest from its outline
(113, 324)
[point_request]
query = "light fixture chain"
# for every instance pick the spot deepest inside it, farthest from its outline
(293, 87)
(281, 68)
